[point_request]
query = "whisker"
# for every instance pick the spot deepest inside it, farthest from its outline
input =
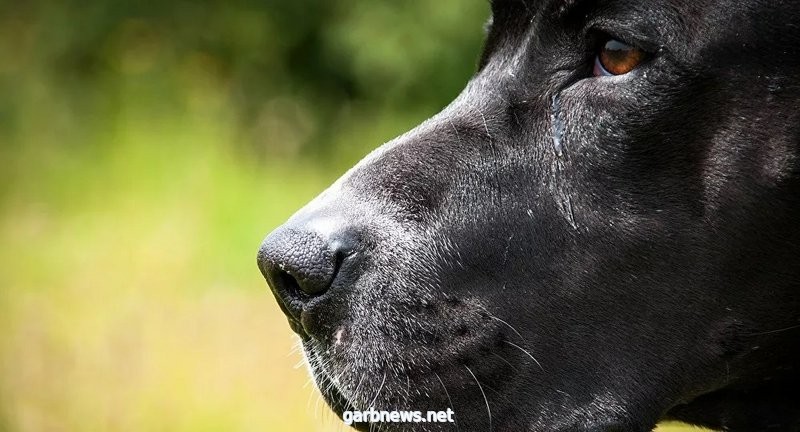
(311, 392)
(483, 117)
(372, 404)
(355, 392)
(296, 347)
(450, 401)
(506, 361)
(508, 325)
(526, 352)
(496, 318)
(484, 396)
(316, 405)
(408, 390)
(775, 331)
(453, 126)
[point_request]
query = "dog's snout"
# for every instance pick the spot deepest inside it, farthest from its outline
(301, 264)
(297, 262)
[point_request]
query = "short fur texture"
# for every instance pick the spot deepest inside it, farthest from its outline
(560, 252)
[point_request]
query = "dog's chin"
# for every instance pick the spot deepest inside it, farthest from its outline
(341, 393)
(327, 385)
(452, 371)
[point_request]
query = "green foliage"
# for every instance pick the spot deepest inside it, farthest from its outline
(302, 64)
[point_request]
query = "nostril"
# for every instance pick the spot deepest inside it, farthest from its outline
(287, 283)
(303, 280)
(306, 268)
(300, 264)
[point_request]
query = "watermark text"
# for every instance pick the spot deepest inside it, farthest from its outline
(375, 416)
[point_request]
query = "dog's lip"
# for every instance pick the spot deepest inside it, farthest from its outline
(310, 316)
(297, 327)
(328, 388)
(448, 364)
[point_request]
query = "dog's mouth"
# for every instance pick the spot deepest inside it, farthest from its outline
(326, 383)
(452, 367)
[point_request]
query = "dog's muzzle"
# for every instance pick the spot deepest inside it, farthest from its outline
(301, 265)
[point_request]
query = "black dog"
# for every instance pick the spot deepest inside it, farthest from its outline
(602, 231)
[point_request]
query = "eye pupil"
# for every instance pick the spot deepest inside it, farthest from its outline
(618, 58)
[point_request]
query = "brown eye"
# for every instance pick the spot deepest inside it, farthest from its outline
(617, 58)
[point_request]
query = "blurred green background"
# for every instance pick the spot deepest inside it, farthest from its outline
(146, 148)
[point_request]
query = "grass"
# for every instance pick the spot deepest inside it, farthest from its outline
(130, 298)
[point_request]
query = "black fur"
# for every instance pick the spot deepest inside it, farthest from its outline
(559, 252)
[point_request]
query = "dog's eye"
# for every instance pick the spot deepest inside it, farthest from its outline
(617, 58)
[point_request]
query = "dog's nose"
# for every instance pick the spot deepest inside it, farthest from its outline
(300, 265)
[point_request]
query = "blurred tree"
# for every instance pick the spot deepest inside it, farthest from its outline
(300, 63)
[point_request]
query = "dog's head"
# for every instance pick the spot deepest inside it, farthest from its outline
(583, 239)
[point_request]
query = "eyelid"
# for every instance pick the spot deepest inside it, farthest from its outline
(624, 32)
(645, 34)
